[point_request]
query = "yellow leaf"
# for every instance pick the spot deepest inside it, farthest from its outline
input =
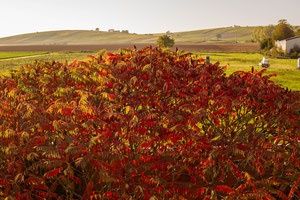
(216, 138)
(134, 121)
(127, 109)
(104, 95)
(133, 80)
(140, 107)
(12, 93)
(147, 67)
(248, 176)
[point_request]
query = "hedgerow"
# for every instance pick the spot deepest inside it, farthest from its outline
(146, 124)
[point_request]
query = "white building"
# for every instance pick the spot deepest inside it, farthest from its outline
(288, 44)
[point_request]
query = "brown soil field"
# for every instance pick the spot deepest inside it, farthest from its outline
(239, 47)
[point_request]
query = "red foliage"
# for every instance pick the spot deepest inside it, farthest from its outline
(224, 189)
(53, 173)
(146, 124)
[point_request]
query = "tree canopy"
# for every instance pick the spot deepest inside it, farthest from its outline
(262, 33)
(283, 30)
(165, 41)
(297, 32)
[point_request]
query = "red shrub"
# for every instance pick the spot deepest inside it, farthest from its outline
(144, 124)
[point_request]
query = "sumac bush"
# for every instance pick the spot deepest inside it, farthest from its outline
(146, 124)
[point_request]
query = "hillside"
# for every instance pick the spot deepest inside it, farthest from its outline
(75, 37)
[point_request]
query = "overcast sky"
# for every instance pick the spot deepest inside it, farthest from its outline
(141, 16)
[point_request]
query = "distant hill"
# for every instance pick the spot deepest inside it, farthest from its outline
(77, 37)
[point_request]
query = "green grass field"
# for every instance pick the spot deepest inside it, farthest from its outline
(15, 60)
(285, 69)
(7, 55)
(287, 73)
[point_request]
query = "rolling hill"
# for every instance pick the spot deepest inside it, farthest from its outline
(77, 37)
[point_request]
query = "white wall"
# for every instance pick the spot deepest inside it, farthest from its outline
(281, 45)
(292, 43)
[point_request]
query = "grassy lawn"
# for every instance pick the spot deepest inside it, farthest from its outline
(16, 54)
(287, 74)
(7, 64)
(286, 69)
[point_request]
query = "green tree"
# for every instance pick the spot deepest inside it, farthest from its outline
(261, 33)
(219, 36)
(283, 30)
(297, 32)
(165, 41)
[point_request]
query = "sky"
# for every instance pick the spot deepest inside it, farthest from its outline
(141, 16)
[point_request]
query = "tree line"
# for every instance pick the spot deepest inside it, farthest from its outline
(266, 36)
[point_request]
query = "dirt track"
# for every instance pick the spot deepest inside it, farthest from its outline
(188, 47)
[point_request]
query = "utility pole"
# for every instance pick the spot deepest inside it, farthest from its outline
(235, 34)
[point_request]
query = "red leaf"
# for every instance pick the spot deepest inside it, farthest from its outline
(23, 196)
(149, 123)
(145, 76)
(3, 182)
(111, 97)
(47, 127)
(42, 194)
(53, 172)
(141, 130)
(216, 122)
(234, 168)
(67, 111)
(175, 138)
(39, 140)
(75, 179)
(109, 84)
(107, 134)
(224, 189)
(40, 187)
(294, 188)
(88, 190)
(207, 162)
(103, 72)
(221, 111)
(242, 146)
(34, 181)
(200, 191)
(112, 57)
(111, 195)
(146, 144)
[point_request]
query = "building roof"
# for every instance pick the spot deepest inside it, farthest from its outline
(291, 38)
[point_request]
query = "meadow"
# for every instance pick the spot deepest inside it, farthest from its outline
(287, 74)
(15, 60)
(71, 37)
(18, 54)
(285, 69)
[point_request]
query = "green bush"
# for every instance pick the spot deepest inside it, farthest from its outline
(275, 53)
(266, 44)
(165, 41)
